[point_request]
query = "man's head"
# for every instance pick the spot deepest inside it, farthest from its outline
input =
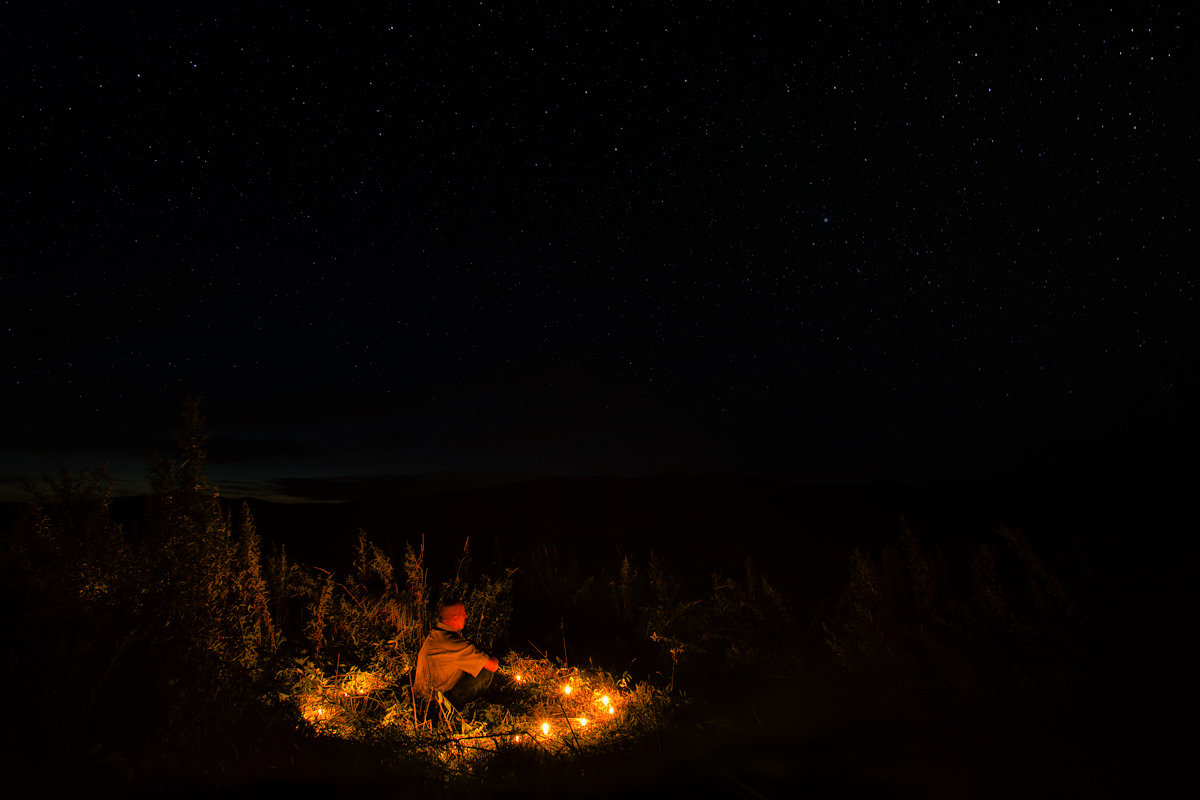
(454, 615)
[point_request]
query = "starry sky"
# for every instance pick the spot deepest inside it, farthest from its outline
(394, 246)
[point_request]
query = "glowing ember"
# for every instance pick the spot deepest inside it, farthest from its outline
(567, 688)
(545, 728)
(518, 677)
(582, 722)
(605, 700)
(611, 710)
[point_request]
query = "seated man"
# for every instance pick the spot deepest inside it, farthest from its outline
(449, 664)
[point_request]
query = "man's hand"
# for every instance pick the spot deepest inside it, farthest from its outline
(492, 664)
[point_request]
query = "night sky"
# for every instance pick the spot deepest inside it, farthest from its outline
(394, 248)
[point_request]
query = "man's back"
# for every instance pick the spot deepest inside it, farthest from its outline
(444, 658)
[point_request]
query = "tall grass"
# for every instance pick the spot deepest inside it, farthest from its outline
(983, 622)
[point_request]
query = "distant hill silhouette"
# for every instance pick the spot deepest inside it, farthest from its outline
(799, 534)
(696, 524)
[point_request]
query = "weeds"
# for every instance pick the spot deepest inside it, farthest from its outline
(969, 626)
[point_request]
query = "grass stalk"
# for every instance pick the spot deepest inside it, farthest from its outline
(570, 727)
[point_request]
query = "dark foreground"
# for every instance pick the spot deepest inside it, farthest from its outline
(921, 705)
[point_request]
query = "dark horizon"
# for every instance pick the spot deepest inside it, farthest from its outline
(289, 483)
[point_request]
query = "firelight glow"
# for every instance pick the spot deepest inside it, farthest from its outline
(567, 688)
(545, 728)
